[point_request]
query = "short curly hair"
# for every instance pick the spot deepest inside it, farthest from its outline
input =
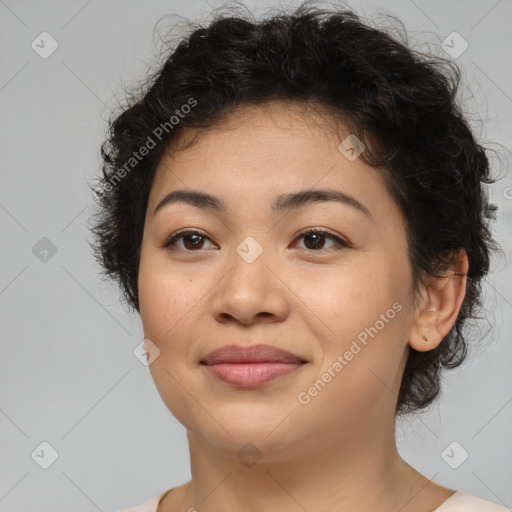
(401, 103)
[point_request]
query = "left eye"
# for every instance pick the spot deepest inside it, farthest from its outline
(314, 238)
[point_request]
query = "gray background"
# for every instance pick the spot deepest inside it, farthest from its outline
(68, 373)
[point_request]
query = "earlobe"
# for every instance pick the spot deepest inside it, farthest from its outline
(442, 299)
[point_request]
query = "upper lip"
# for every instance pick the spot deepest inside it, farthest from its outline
(250, 354)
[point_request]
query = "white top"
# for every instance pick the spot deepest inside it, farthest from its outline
(461, 501)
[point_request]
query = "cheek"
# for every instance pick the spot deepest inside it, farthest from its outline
(169, 302)
(169, 306)
(360, 362)
(361, 315)
(347, 299)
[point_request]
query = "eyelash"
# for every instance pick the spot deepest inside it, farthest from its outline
(342, 244)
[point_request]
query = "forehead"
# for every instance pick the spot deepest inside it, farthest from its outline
(279, 131)
(259, 151)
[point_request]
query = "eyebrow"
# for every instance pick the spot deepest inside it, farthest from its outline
(283, 203)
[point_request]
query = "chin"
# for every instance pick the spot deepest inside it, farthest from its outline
(255, 445)
(269, 434)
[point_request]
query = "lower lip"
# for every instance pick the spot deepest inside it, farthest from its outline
(249, 375)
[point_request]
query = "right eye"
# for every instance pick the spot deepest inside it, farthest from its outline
(192, 240)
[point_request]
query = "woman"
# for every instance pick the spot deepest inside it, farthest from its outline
(296, 208)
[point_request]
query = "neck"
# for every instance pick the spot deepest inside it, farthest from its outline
(358, 471)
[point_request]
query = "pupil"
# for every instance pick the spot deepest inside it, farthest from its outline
(198, 238)
(318, 241)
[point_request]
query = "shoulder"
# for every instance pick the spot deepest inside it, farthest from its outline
(149, 505)
(463, 501)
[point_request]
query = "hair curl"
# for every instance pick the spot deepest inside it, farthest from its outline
(399, 102)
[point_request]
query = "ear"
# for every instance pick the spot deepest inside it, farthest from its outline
(441, 299)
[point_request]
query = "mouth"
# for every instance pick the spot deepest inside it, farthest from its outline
(251, 366)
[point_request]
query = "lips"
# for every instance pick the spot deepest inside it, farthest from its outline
(250, 366)
(250, 354)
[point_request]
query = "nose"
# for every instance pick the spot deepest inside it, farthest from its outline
(251, 292)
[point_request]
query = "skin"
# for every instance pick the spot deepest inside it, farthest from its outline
(338, 451)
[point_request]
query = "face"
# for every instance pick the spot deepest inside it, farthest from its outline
(337, 298)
